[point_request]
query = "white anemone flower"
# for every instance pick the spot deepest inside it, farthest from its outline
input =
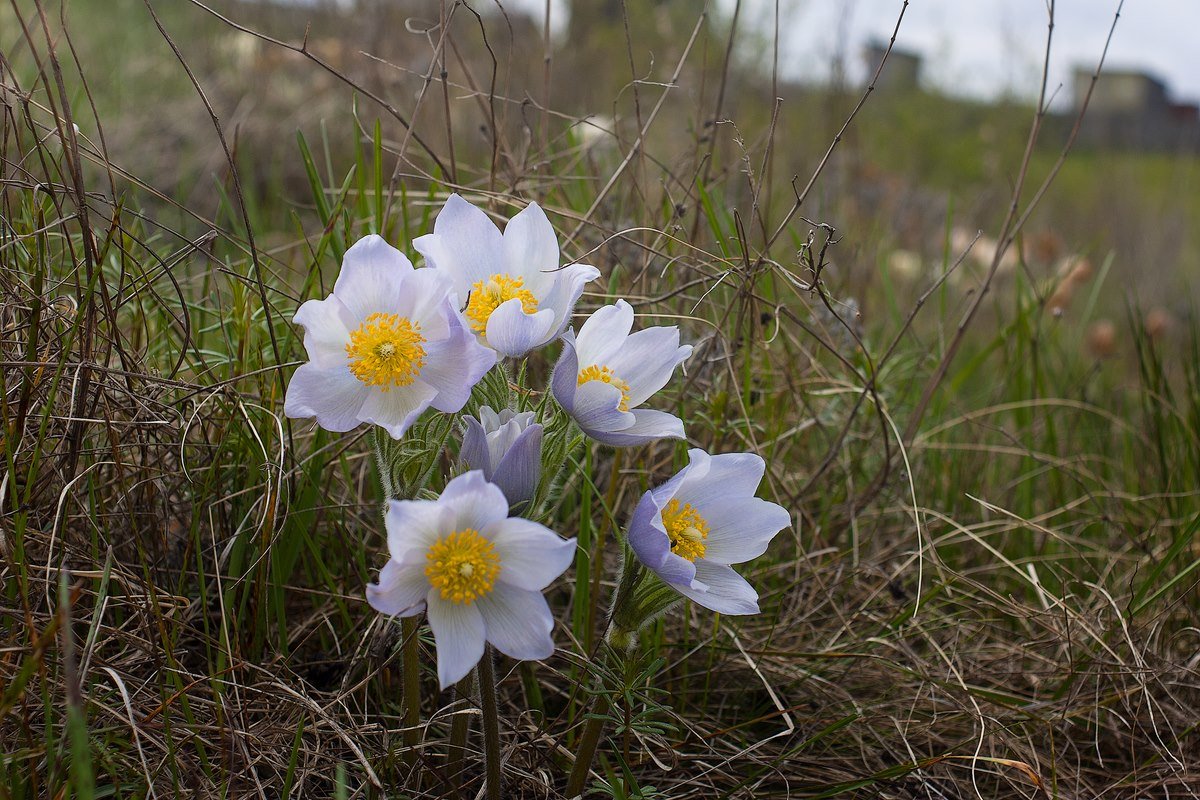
(517, 297)
(385, 346)
(689, 530)
(478, 572)
(603, 376)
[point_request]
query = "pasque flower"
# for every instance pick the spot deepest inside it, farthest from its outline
(606, 373)
(385, 346)
(507, 448)
(517, 298)
(478, 572)
(689, 530)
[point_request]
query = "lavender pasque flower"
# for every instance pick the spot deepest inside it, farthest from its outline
(507, 448)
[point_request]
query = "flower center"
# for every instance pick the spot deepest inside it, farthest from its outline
(463, 566)
(386, 351)
(686, 529)
(486, 297)
(605, 375)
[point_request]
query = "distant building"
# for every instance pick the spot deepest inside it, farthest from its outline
(901, 73)
(1133, 109)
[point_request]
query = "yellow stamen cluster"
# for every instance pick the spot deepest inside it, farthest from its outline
(605, 375)
(686, 529)
(386, 351)
(486, 297)
(463, 566)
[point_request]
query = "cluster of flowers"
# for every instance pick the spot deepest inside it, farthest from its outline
(392, 341)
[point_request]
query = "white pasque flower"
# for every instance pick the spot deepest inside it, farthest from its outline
(517, 297)
(385, 346)
(603, 376)
(507, 448)
(689, 530)
(478, 572)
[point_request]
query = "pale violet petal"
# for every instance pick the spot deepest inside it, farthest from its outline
(597, 408)
(490, 419)
(530, 247)
(733, 474)
(565, 378)
(531, 555)
(652, 546)
(726, 592)
(327, 324)
(647, 360)
(648, 426)
(426, 300)
(459, 633)
(371, 276)
(603, 333)
(475, 502)
(740, 528)
(474, 451)
(465, 244)
(413, 526)
(519, 469)
(401, 590)
(518, 622)
(513, 333)
(334, 396)
(564, 294)
(398, 408)
(454, 365)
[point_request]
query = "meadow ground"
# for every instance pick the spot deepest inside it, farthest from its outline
(991, 454)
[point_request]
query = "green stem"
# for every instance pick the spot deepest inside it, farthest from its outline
(486, 672)
(588, 743)
(460, 726)
(410, 656)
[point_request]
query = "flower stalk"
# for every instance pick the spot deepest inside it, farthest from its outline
(486, 672)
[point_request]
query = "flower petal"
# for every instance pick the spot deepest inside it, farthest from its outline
(475, 502)
(531, 555)
(398, 408)
(652, 546)
(597, 408)
(454, 365)
(518, 622)
(327, 324)
(465, 243)
(520, 468)
(603, 334)
(372, 271)
(513, 333)
(474, 451)
(726, 592)
(740, 528)
(334, 396)
(648, 425)
(565, 378)
(428, 299)
(413, 526)
(459, 633)
(530, 247)
(401, 590)
(725, 474)
(647, 360)
(564, 294)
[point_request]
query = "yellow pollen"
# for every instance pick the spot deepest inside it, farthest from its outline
(486, 297)
(686, 529)
(605, 375)
(386, 351)
(463, 566)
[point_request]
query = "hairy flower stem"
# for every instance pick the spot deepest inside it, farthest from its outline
(460, 726)
(486, 672)
(410, 656)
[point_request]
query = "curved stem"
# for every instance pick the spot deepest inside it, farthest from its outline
(491, 723)
(588, 743)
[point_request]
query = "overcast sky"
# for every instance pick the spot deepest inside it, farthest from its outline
(978, 48)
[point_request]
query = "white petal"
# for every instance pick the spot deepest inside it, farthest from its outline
(401, 590)
(647, 360)
(530, 247)
(648, 425)
(372, 271)
(531, 555)
(454, 365)
(459, 633)
(740, 529)
(726, 593)
(334, 396)
(518, 622)
(465, 243)
(513, 333)
(398, 408)
(564, 294)
(425, 299)
(565, 377)
(597, 408)
(603, 333)
(327, 324)
(475, 502)
(413, 526)
(729, 474)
